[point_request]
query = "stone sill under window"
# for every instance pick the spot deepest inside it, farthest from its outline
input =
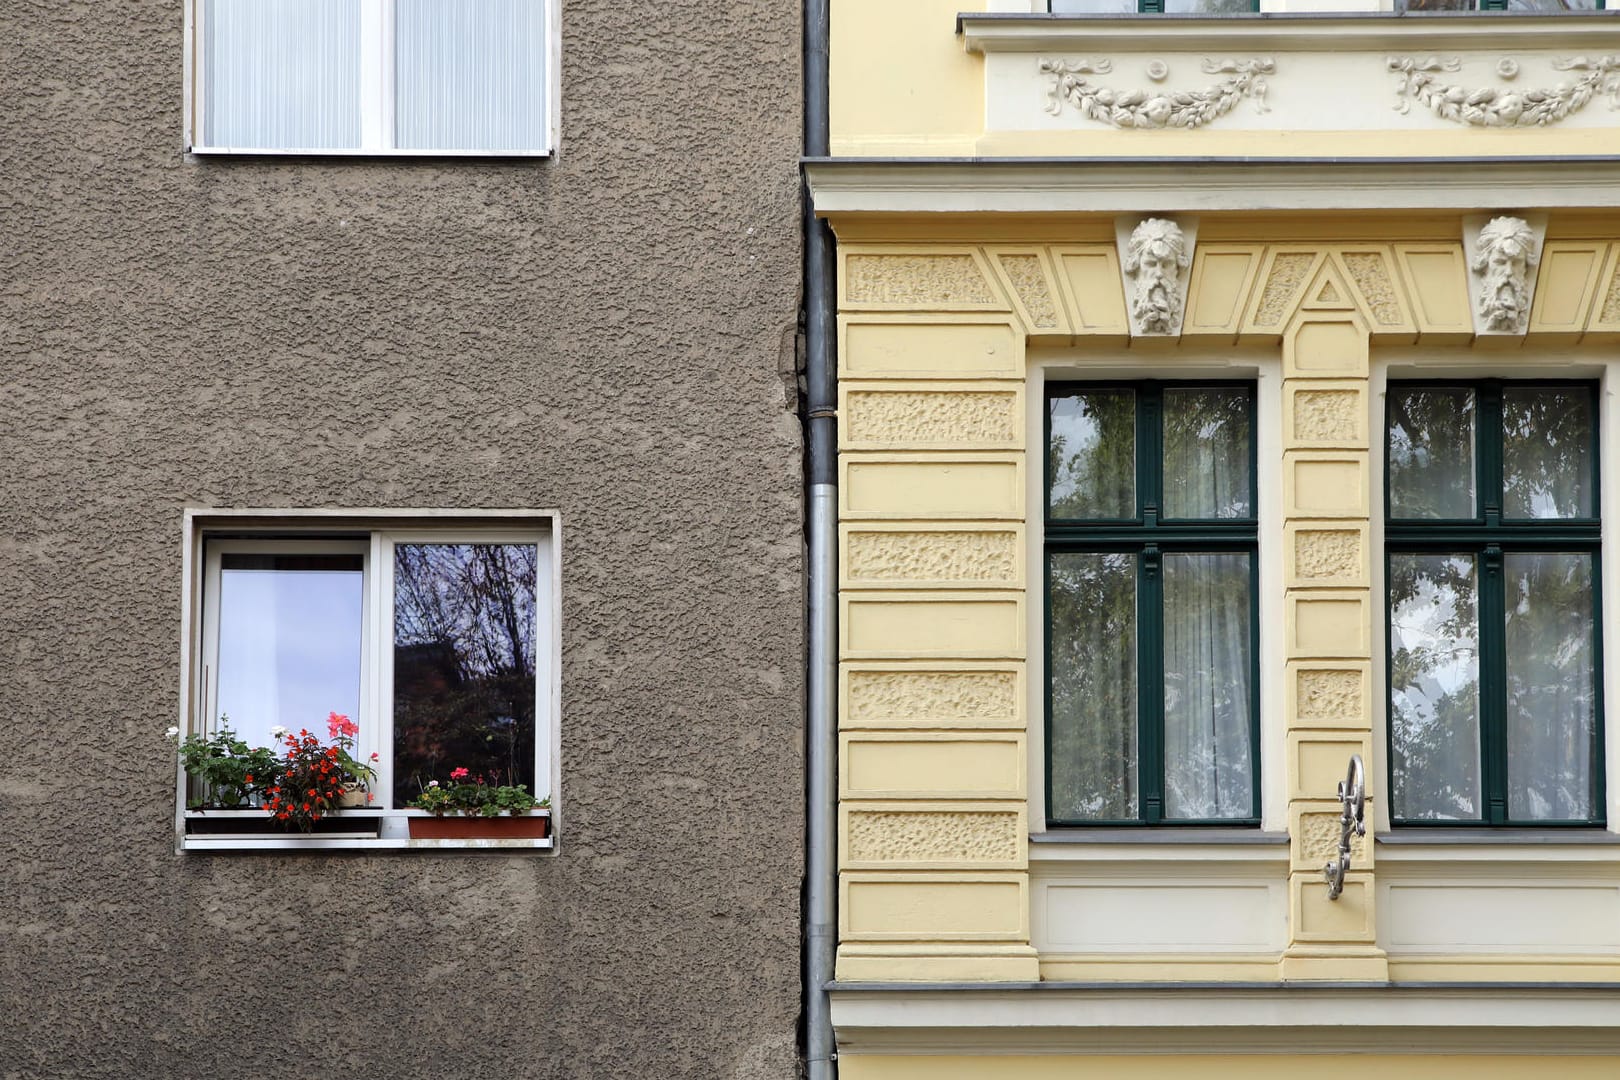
(361, 839)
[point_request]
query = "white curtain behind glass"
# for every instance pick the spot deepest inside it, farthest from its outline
(282, 74)
(1207, 770)
(470, 75)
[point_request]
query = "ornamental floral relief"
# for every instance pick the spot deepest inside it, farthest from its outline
(1155, 108)
(1423, 80)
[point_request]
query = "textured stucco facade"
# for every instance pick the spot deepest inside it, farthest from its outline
(609, 333)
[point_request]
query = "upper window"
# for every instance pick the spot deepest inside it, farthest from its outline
(1152, 714)
(431, 645)
(370, 76)
(1492, 537)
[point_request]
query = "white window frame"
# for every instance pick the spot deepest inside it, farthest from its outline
(208, 534)
(376, 92)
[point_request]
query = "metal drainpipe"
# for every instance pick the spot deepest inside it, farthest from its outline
(821, 874)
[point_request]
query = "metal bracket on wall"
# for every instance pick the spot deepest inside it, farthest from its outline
(1352, 820)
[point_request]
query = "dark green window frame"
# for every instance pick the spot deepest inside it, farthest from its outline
(1150, 536)
(1488, 537)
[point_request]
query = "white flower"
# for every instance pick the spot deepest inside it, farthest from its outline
(278, 732)
(433, 783)
(172, 732)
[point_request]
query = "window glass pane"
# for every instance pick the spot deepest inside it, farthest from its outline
(1551, 686)
(1546, 453)
(464, 640)
(1207, 7)
(1431, 452)
(1552, 5)
(1093, 680)
(1207, 756)
(1434, 686)
(1434, 5)
(1207, 454)
(470, 75)
(281, 74)
(1092, 457)
(289, 641)
(1094, 7)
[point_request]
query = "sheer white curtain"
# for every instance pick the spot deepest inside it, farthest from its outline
(470, 75)
(1207, 690)
(282, 74)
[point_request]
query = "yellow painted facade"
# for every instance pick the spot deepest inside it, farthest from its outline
(955, 299)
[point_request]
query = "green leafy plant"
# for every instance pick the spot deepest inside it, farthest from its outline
(472, 797)
(229, 773)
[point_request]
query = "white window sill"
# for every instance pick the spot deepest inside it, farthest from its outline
(389, 833)
(356, 152)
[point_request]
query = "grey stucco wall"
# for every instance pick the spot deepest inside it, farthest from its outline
(608, 333)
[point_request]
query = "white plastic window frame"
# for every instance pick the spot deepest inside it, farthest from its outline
(373, 534)
(376, 95)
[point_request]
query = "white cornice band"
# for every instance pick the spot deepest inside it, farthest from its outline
(1173, 185)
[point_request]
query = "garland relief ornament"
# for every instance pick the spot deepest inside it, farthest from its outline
(1154, 259)
(1421, 80)
(1502, 261)
(1155, 108)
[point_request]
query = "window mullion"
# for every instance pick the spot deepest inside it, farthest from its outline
(1150, 455)
(376, 67)
(1150, 685)
(1488, 452)
(1493, 686)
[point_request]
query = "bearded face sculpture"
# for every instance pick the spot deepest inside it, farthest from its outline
(1154, 259)
(1505, 256)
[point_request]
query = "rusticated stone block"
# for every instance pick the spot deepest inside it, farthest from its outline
(1288, 272)
(1329, 695)
(932, 556)
(1372, 277)
(987, 697)
(916, 280)
(907, 419)
(1325, 415)
(969, 838)
(1327, 554)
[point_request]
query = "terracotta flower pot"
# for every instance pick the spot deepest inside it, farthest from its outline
(458, 827)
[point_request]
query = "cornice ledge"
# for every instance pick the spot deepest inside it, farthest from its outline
(989, 32)
(1188, 184)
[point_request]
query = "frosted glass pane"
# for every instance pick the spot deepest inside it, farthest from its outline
(289, 642)
(1092, 456)
(1207, 758)
(1551, 686)
(282, 74)
(1207, 452)
(1431, 452)
(1434, 686)
(1093, 674)
(1546, 453)
(470, 75)
(464, 664)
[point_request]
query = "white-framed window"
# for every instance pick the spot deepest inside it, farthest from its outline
(436, 635)
(371, 77)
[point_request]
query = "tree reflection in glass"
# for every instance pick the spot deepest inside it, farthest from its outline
(1093, 673)
(1547, 453)
(1551, 686)
(1092, 456)
(1434, 686)
(464, 663)
(1207, 454)
(1431, 453)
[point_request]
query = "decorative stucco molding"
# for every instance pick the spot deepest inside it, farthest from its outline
(1154, 256)
(1419, 79)
(1500, 261)
(1156, 108)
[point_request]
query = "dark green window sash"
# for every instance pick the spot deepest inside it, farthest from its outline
(1488, 538)
(1149, 537)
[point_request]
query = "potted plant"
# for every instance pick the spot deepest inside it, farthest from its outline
(468, 808)
(229, 774)
(313, 780)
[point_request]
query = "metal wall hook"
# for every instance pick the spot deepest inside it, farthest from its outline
(1352, 820)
